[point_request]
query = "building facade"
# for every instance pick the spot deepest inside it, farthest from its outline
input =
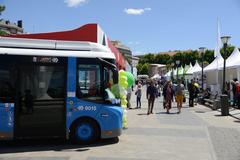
(11, 28)
(154, 69)
(126, 53)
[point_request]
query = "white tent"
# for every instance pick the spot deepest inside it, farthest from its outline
(175, 72)
(216, 64)
(233, 65)
(213, 75)
(189, 74)
(197, 71)
(233, 60)
(196, 68)
(189, 71)
(156, 76)
(168, 74)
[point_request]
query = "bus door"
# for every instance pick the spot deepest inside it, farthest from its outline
(7, 94)
(40, 107)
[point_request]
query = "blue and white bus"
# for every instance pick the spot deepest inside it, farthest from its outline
(54, 88)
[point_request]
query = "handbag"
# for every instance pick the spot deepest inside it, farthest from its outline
(184, 99)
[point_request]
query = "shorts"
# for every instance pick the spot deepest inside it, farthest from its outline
(179, 98)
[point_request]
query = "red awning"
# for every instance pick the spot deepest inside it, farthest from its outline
(87, 32)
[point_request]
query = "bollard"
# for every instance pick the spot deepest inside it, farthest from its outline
(224, 105)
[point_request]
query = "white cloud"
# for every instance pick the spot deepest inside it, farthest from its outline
(134, 11)
(75, 3)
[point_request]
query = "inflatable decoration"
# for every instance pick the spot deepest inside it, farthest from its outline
(125, 80)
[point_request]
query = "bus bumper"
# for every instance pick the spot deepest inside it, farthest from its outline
(110, 119)
(111, 133)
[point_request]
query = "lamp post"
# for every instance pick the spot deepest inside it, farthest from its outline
(224, 97)
(202, 51)
(224, 41)
(177, 63)
(172, 65)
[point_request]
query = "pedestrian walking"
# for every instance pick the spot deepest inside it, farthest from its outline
(151, 95)
(197, 91)
(129, 92)
(179, 95)
(233, 84)
(169, 97)
(191, 90)
(238, 94)
(138, 94)
(164, 93)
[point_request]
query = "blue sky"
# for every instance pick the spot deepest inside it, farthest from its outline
(143, 25)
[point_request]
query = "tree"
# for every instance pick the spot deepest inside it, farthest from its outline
(229, 51)
(144, 69)
(147, 58)
(162, 58)
(139, 68)
(2, 8)
(208, 56)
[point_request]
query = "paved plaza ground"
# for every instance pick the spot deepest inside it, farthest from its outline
(197, 133)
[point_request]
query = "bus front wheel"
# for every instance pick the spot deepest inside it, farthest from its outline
(84, 131)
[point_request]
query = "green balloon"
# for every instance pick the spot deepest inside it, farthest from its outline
(121, 73)
(130, 79)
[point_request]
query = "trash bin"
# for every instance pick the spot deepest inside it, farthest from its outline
(224, 105)
(216, 104)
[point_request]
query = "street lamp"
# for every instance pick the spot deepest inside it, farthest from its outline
(202, 51)
(224, 41)
(177, 62)
(172, 65)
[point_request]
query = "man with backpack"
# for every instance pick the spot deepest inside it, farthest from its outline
(238, 94)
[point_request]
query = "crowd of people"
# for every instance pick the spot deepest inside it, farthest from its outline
(170, 92)
(177, 91)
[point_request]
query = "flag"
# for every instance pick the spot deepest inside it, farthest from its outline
(219, 42)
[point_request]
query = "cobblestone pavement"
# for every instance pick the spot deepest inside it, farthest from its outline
(197, 133)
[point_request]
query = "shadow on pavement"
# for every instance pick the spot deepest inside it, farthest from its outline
(200, 111)
(219, 115)
(142, 114)
(166, 112)
(232, 115)
(57, 145)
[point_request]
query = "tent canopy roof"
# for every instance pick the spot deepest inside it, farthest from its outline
(216, 64)
(196, 68)
(233, 60)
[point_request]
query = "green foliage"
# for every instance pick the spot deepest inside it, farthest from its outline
(148, 58)
(186, 57)
(142, 68)
(139, 68)
(208, 56)
(2, 33)
(229, 50)
(162, 59)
